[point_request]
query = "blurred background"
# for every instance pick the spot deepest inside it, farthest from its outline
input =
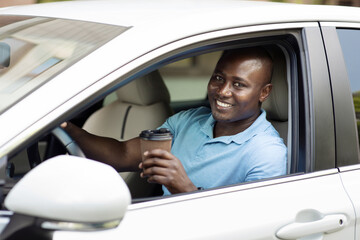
(4, 3)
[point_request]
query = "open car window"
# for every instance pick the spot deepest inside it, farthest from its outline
(171, 88)
(184, 86)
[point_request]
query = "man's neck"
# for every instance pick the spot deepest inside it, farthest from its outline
(232, 128)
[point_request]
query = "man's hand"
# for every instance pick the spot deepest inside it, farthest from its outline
(64, 125)
(162, 167)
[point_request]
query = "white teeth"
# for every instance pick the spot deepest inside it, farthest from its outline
(221, 104)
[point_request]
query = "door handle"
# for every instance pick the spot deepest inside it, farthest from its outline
(328, 224)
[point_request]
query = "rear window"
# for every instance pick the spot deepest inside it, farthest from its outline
(349, 40)
(34, 49)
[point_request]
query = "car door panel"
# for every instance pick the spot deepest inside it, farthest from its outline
(251, 211)
(308, 206)
(351, 180)
(342, 48)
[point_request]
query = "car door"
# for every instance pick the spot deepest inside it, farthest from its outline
(314, 205)
(308, 203)
(342, 46)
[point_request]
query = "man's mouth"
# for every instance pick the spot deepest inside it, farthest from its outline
(222, 104)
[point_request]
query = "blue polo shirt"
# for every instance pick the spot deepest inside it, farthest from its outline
(256, 153)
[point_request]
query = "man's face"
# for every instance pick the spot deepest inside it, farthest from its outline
(237, 87)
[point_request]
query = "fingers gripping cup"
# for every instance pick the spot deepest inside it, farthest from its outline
(155, 139)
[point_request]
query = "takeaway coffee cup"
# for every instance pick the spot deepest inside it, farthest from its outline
(155, 139)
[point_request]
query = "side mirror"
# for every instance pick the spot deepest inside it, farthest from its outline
(68, 193)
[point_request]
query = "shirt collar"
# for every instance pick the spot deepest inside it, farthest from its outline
(207, 125)
(260, 124)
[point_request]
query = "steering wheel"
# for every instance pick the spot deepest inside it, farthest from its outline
(71, 147)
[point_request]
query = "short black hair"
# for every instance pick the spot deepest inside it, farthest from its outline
(256, 51)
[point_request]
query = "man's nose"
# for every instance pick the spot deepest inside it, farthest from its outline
(225, 89)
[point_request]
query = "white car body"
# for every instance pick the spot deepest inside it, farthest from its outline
(323, 203)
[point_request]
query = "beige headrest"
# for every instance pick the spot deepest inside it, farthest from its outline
(145, 90)
(276, 106)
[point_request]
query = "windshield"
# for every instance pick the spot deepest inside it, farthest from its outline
(35, 49)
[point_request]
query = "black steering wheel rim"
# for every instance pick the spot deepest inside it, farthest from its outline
(65, 139)
(71, 146)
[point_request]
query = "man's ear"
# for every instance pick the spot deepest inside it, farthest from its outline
(265, 92)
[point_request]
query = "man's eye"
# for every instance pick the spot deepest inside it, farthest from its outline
(237, 84)
(218, 78)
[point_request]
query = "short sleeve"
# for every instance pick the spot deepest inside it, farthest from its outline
(170, 124)
(268, 160)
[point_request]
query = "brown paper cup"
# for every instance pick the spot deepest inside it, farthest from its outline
(155, 139)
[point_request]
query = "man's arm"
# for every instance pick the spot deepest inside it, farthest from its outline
(123, 156)
(159, 165)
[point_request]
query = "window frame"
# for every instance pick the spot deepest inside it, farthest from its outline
(293, 59)
(347, 147)
(220, 42)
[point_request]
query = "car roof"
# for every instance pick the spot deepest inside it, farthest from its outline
(199, 15)
(158, 22)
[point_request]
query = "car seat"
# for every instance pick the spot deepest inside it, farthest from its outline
(141, 104)
(276, 106)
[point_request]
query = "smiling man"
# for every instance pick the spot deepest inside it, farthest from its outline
(238, 86)
(230, 143)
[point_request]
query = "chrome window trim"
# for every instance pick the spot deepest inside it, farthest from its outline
(78, 226)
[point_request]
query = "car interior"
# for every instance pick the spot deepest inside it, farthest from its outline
(146, 103)
(141, 104)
